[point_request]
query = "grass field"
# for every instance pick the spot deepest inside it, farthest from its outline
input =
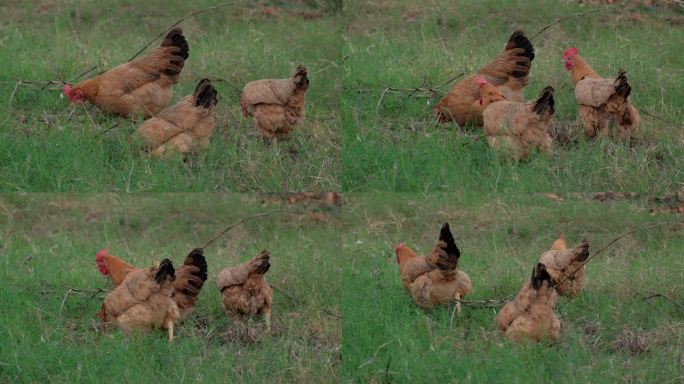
(47, 333)
(48, 146)
(612, 332)
(341, 313)
(391, 141)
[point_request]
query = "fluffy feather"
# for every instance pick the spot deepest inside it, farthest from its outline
(508, 72)
(244, 290)
(562, 263)
(601, 100)
(143, 301)
(276, 104)
(142, 86)
(185, 127)
(530, 316)
(436, 278)
(515, 127)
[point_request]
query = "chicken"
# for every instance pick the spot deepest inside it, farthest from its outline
(185, 127)
(142, 86)
(244, 290)
(559, 244)
(190, 277)
(434, 279)
(566, 267)
(276, 104)
(410, 265)
(530, 315)
(516, 127)
(508, 72)
(601, 100)
(143, 301)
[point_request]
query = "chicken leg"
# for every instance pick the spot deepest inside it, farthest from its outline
(169, 327)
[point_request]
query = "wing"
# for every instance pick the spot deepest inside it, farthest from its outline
(594, 92)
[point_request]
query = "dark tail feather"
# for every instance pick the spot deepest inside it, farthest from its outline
(301, 77)
(540, 275)
(205, 94)
(519, 40)
(264, 264)
(545, 101)
(196, 258)
(583, 250)
(165, 269)
(451, 250)
(622, 87)
(176, 39)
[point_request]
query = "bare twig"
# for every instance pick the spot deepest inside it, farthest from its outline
(451, 80)
(61, 307)
(561, 19)
(422, 91)
(14, 91)
(108, 129)
(387, 372)
(246, 219)
(487, 303)
(668, 298)
(191, 14)
(647, 113)
(295, 300)
(642, 228)
(87, 71)
(331, 313)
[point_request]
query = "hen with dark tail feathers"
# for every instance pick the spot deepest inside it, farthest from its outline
(508, 72)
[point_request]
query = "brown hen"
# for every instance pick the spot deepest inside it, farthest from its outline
(142, 86)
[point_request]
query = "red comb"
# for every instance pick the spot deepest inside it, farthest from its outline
(398, 247)
(570, 52)
(481, 80)
(101, 253)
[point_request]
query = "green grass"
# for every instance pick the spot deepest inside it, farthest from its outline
(391, 141)
(610, 332)
(48, 334)
(47, 145)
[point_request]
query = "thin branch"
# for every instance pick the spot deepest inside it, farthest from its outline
(615, 241)
(108, 129)
(451, 80)
(191, 14)
(246, 219)
(668, 298)
(295, 300)
(422, 91)
(14, 91)
(87, 71)
(559, 20)
(647, 113)
(487, 303)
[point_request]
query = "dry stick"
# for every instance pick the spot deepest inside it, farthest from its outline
(246, 219)
(647, 113)
(615, 241)
(191, 14)
(14, 91)
(559, 20)
(108, 129)
(293, 299)
(87, 71)
(668, 298)
(296, 300)
(488, 303)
